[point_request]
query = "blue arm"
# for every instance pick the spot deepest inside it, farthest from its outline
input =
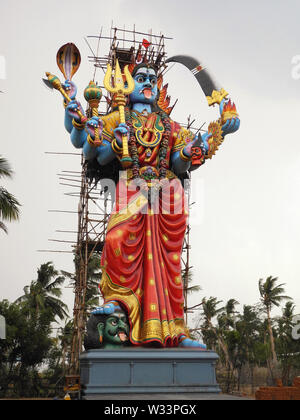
(78, 138)
(178, 165)
(68, 122)
(105, 153)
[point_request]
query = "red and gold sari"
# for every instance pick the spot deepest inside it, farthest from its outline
(141, 260)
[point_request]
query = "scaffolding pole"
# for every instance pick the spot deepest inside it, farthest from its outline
(90, 240)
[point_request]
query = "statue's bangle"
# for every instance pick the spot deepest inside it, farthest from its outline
(65, 104)
(116, 148)
(91, 142)
(78, 126)
(183, 157)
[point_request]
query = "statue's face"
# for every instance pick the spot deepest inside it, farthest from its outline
(116, 329)
(145, 90)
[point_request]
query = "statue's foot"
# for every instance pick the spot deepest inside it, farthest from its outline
(107, 309)
(188, 342)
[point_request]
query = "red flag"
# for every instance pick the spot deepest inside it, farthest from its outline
(146, 43)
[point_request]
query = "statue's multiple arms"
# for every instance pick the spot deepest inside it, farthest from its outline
(83, 135)
(182, 159)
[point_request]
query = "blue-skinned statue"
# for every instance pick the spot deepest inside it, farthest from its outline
(141, 259)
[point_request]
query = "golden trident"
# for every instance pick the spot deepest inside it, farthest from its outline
(120, 89)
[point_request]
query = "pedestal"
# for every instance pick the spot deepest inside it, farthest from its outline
(146, 371)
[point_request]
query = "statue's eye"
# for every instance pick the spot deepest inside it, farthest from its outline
(140, 79)
(114, 322)
(153, 82)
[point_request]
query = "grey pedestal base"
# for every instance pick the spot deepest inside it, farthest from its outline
(147, 371)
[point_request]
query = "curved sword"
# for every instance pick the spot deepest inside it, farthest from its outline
(214, 94)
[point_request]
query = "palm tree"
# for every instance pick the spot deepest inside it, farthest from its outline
(8, 203)
(227, 318)
(44, 293)
(65, 337)
(210, 310)
(288, 312)
(288, 350)
(271, 295)
(248, 326)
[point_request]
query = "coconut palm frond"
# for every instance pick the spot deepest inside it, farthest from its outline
(3, 227)
(5, 169)
(9, 206)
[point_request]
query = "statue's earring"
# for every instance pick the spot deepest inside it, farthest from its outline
(100, 328)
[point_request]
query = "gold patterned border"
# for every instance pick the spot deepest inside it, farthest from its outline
(112, 291)
(130, 210)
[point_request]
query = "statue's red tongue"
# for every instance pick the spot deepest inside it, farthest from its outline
(147, 93)
(122, 336)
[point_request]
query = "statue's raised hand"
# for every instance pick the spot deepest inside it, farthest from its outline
(70, 89)
(229, 117)
(93, 124)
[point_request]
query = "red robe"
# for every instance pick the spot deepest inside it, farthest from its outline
(141, 259)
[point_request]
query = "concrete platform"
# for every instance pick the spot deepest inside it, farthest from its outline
(146, 371)
(171, 397)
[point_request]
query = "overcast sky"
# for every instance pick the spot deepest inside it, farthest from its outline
(245, 223)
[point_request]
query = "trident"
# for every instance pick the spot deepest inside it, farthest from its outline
(120, 89)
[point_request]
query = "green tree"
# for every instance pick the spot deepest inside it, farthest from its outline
(226, 319)
(271, 295)
(25, 349)
(210, 310)
(9, 205)
(250, 345)
(93, 280)
(228, 340)
(288, 348)
(65, 337)
(44, 294)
